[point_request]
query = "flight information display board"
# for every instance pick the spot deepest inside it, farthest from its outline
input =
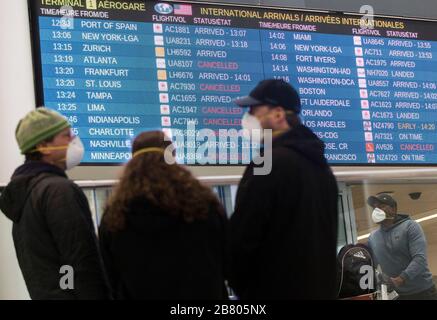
(117, 68)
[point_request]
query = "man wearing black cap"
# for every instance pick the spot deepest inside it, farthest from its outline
(399, 246)
(284, 228)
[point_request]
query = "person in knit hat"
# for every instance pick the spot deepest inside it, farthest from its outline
(52, 230)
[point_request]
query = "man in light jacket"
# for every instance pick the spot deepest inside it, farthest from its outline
(399, 246)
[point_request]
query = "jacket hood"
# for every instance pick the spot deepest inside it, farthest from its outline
(14, 196)
(303, 140)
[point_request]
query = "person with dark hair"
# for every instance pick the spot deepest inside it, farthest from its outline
(399, 247)
(284, 228)
(53, 231)
(162, 234)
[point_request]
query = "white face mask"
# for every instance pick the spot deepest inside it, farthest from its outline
(250, 122)
(379, 215)
(75, 153)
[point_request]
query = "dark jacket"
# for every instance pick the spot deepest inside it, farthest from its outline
(284, 228)
(160, 256)
(52, 227)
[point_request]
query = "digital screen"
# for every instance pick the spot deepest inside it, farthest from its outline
(117, 68)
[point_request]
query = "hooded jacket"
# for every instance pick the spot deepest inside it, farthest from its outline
(52, 227)
(284, 228)
(401, 251)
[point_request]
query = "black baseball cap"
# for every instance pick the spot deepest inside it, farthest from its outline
(381, 198)
(273, 92)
